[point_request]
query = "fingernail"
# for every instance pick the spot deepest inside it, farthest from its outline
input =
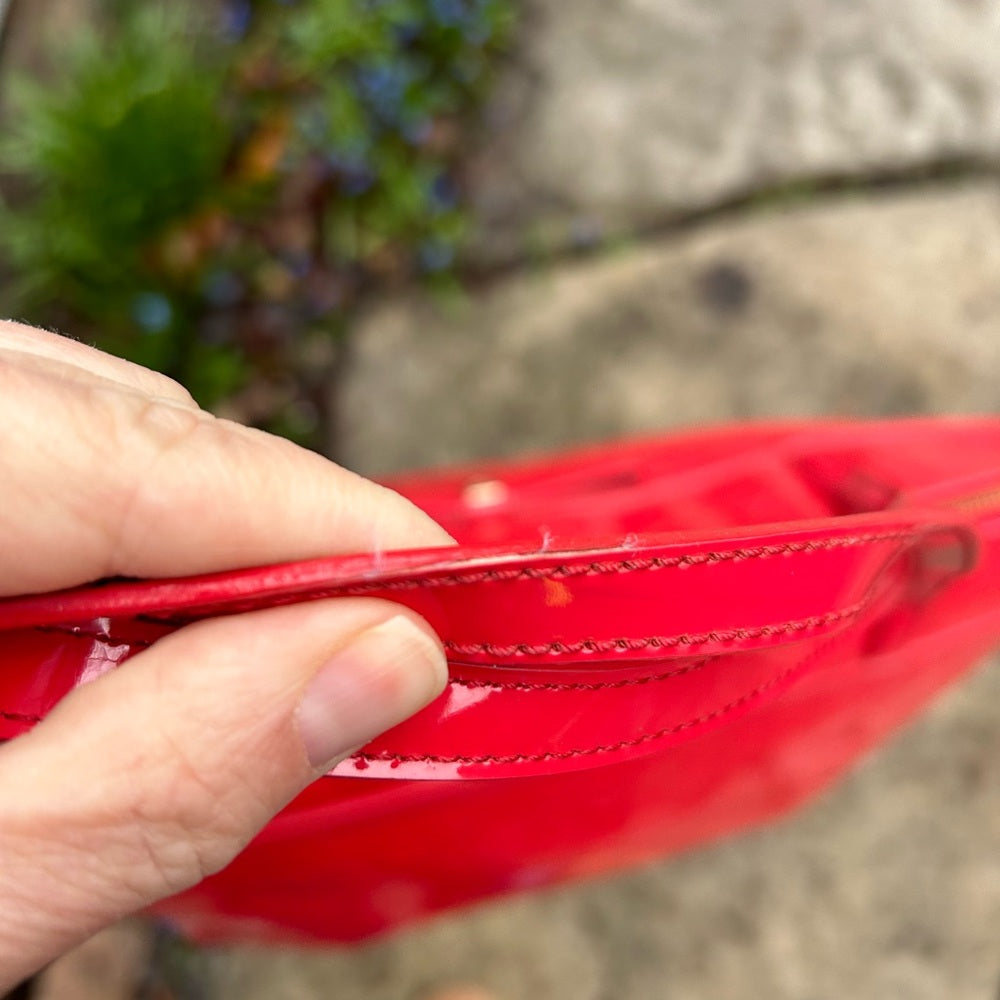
(382, 676)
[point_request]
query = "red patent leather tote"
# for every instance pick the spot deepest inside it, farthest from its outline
(651, 644)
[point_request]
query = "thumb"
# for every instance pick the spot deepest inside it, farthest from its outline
(157, 774)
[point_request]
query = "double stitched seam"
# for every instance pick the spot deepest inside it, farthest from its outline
(564, 570)
(582, 685)
(653, 642)
(604, 748)
(560, 571)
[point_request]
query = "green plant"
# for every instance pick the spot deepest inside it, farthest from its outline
(213, 192)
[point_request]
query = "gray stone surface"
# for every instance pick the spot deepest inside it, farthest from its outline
(887, 889)
(861, 305)
(613, 116)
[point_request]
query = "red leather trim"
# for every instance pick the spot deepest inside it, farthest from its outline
(366, 758)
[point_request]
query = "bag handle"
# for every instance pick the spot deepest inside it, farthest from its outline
(559, 660)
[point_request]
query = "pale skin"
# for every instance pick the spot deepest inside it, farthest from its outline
(144, 781)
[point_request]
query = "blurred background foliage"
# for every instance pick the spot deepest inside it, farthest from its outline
(213, 189)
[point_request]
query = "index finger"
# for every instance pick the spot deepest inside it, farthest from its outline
(105, 482)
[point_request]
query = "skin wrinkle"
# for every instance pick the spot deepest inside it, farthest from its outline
(66, 885)
(97, 816)
(45, 502)
(222, 782)
(120, 529)
(216, 808)
(198, 841)
(173, 857)
(46, 453)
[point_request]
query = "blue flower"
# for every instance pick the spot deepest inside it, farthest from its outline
(416, 129)
(236, 18)
(435, 255)
(449, 13)
(352, 166)
(152, 311)
(408, 32)
(222, 288)
(313, 123)
(355, 182)
(383, 88)
(442, 193)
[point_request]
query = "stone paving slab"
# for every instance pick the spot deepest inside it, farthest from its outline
(862, 305)
(610, 117)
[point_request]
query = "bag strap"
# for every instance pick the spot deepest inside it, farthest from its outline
(558, 660)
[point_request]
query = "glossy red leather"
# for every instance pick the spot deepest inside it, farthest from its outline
(651, 644)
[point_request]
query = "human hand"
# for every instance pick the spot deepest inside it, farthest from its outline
(144, 781)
